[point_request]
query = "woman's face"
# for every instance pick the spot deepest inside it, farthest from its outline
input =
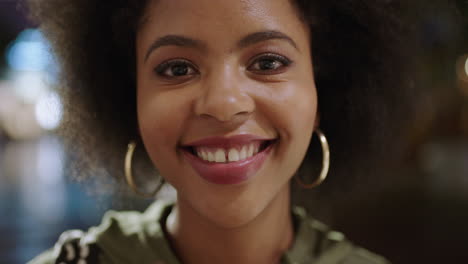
(226, 101)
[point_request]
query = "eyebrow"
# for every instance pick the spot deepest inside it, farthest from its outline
(264, 36)
(251, 39)
(173, 40)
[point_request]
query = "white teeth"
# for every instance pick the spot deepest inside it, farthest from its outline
(220, 156)
(250, 151)
(233, 155)
(204, 155)
(211, 157)
(243, 153)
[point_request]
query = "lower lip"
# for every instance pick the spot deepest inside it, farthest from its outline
(228, 173)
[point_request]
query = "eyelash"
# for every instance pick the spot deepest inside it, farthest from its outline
(161, 68)
(284, 61)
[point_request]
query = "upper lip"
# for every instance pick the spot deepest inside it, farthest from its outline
(226, 142)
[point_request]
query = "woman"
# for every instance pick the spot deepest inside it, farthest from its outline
(225, 97)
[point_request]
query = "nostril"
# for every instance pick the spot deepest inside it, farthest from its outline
(224, 107)
(243, 113)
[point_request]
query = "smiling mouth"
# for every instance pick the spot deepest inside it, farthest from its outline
(228, 162)
(238, 153)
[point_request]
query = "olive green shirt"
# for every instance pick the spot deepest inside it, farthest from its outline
(134, 237)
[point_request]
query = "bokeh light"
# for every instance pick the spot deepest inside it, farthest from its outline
(30, 52)
(49, 111)
(31, 79)
(28, 86)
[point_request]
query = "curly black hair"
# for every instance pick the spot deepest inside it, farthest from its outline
(360, 52)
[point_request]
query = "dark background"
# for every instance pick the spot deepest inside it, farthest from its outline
(417, 213)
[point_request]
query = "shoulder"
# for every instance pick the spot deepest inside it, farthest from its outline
(321, 244)
(119, 234)
(362, 256)
(73, 246)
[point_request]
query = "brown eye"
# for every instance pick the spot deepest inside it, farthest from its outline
(269, 64)
(175, 68)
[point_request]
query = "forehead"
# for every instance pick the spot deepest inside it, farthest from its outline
(219, 19)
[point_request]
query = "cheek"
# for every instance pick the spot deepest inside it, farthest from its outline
(305, 111)
(295, 117)
(301, 117)
(160, 122)
(294, 109)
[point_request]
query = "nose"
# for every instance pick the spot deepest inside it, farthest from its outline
(223, 98)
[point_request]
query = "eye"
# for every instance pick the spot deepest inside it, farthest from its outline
(269, 63)
(175, 68)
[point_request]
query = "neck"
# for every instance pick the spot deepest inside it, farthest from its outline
(262, 240)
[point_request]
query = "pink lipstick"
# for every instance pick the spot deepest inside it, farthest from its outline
(224, 171)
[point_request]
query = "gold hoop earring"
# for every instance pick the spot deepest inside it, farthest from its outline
(325, 163)
(129, 174)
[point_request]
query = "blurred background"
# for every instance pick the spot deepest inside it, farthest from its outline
(419, 216)
(38, 200)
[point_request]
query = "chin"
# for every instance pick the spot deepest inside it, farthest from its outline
(242, 207)
(235, 215)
